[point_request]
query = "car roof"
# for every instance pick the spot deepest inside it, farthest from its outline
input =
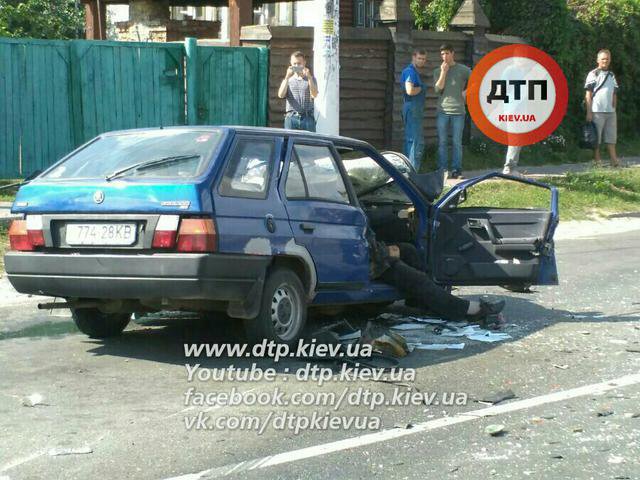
(256, 130)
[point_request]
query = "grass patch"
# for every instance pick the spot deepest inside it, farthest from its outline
(587, 195)
(483, 154)
(8, 194)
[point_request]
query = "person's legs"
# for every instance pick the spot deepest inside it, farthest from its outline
(288, 122)
(511, 160)
(309, 124)
(408, 131)
(418, 137)
(457, 127)
(598, 120)
(442, 125)
(417, 285)
(609, 136)
(409, 255)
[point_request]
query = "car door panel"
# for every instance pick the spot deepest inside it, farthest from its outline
(492, 246)
(333, 232)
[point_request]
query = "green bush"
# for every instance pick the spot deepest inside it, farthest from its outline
(50, 19)
(570, 31)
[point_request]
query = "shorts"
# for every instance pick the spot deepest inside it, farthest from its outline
(607, 127)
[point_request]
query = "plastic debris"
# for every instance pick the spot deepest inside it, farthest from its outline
(350, 336)
(489, 337)
(408, 326)
(55, 452)
(561, 367)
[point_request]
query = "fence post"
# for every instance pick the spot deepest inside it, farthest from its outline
(263, 86)
(191, 49)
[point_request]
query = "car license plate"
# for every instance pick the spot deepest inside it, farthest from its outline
(122, 234)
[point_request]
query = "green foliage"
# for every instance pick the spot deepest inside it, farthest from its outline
(583, 195)
(47, 19)
(435, 14)
(571, 31)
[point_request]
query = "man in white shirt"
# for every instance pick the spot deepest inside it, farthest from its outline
(601, 98)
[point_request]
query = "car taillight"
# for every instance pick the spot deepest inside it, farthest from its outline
(197, 235)
(166, 231)
(34, 230)
(18, 236)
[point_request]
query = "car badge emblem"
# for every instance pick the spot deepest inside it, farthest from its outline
(98, 196)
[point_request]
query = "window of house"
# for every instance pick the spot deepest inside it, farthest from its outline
(249, 169)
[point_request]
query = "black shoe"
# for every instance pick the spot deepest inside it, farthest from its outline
(487, 309)
(456, 174)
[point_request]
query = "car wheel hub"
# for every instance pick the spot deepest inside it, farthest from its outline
(285, 312)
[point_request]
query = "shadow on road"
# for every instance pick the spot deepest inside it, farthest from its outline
(163, 339)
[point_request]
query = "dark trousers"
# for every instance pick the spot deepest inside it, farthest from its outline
(417, 285)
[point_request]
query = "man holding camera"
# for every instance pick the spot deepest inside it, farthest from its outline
(299, 88)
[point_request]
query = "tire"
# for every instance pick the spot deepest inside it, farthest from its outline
(95, 324)
(283, 310)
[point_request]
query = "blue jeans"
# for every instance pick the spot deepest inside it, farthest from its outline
(412, 115)
(457, 126)
(295, 122)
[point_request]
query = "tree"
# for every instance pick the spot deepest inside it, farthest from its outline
(51, 19)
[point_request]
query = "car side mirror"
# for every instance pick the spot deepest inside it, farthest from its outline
(462, 197)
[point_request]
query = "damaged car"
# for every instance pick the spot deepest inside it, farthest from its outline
(261, 224)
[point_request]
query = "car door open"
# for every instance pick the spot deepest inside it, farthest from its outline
(471, 244)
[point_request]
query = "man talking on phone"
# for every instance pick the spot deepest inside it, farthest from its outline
(299, 88)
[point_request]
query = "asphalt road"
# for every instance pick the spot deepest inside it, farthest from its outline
(117, 408)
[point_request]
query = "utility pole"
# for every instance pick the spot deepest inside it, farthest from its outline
(326, 65)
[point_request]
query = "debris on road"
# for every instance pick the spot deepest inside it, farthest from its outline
(561, 367)
(497, 397)
(398, 335)
(604, 413)
(56, 452)
(495, 430)
(615, 459)
(34, 400)
(437, 346)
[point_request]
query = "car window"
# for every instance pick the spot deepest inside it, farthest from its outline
(247, 174)
(321, 173)
(365, 173)
(114, 152)
(295, 188)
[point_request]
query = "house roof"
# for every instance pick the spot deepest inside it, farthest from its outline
(470, 14)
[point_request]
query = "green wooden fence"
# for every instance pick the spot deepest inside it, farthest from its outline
(56, 95)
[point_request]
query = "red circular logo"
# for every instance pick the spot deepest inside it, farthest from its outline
(517, 95)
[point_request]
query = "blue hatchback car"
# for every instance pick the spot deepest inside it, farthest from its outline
(259, 223)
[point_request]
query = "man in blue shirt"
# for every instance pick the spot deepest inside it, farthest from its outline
(413, 107)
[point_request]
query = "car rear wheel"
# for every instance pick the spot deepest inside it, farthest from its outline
(96, 324)
(283, 311)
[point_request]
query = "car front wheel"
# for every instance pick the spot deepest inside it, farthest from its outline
(96, 324)
(283, 311)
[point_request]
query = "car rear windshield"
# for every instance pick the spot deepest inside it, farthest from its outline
(187, 151)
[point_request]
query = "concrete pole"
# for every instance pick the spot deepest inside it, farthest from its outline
(326, 65)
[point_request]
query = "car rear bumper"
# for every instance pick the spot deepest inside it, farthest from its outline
(219, 276)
